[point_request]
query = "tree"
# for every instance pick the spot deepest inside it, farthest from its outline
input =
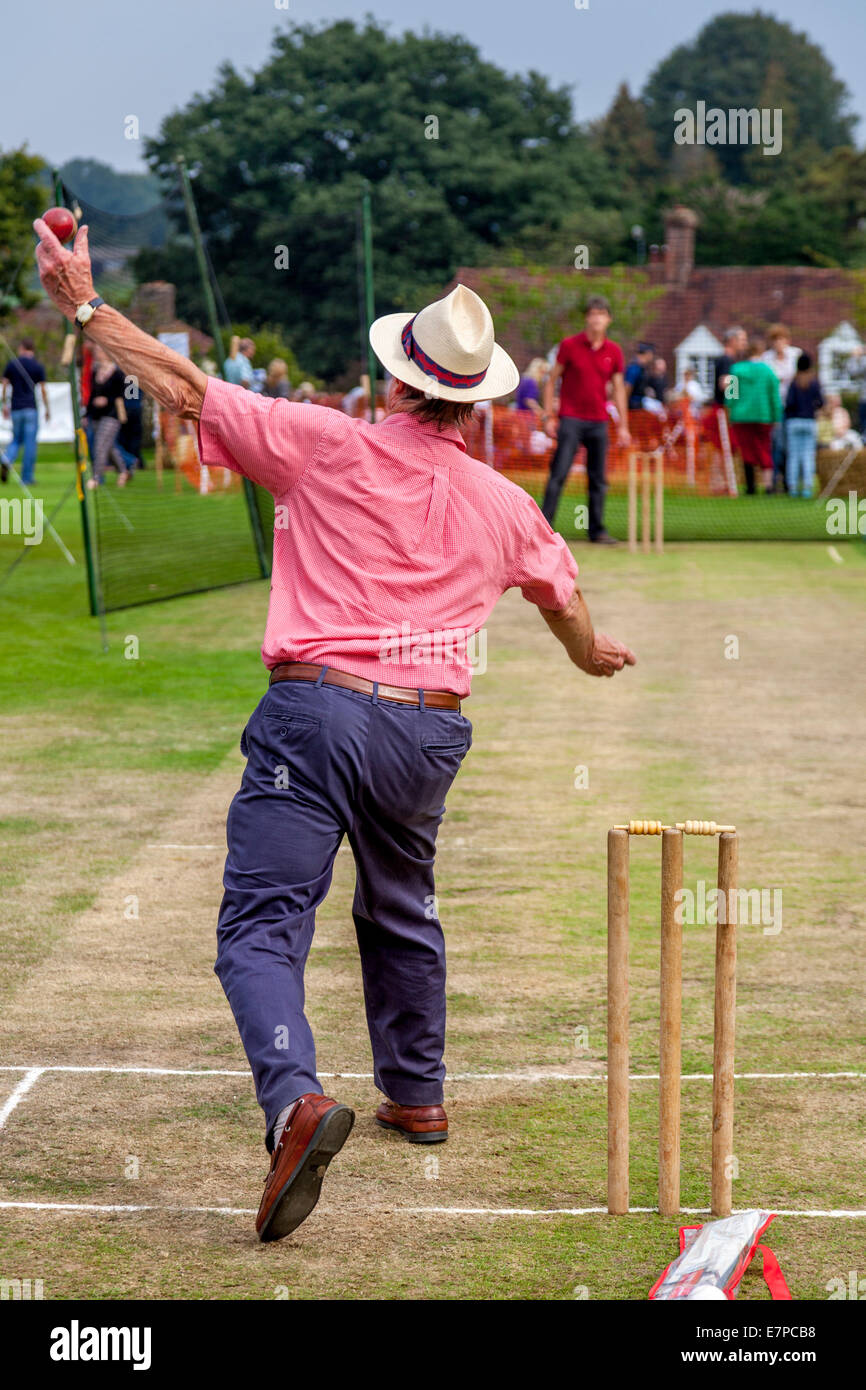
(740, 61)
(23, 194)
(547, 305)
(109, 190)
(816, 218)
(460, 156)
(626, 141)
(269, 344)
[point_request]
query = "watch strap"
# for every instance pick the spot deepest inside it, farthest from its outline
(93, 304)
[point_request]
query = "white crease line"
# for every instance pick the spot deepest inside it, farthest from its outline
(27, 1081)
(85, 1207)
(593, 1211)
(100, 1208)
(531, 1076)
(834, 555)
(137, 1071)
(646, 1076)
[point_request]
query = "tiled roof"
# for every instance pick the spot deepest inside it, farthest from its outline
(810, 300)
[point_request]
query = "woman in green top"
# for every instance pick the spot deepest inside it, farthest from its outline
(754, 406)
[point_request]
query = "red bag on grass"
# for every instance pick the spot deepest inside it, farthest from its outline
(714, 1257)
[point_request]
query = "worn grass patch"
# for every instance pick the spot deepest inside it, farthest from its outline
(115, 788)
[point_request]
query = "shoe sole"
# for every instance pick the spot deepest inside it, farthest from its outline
(429, 1136)
(300, 1193)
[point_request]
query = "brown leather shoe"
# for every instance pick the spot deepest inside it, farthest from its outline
(420, 1124)
(317, 1128)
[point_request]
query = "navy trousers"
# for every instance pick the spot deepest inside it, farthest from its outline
(570, 435)
(323, 762)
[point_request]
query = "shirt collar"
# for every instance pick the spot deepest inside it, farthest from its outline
(403, 419)
(583, 337)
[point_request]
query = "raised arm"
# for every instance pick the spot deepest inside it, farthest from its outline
(594, 652)
(171, 379)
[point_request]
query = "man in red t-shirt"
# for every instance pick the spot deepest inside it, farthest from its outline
(586, 363)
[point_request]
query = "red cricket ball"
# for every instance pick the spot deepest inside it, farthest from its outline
(61, 222)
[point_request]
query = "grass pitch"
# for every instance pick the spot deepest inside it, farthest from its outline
(115, 780)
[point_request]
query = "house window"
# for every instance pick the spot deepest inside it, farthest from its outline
(702, 366)
(834, 355)
(698, 351)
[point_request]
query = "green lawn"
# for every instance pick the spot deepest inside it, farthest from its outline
(155, 538)
(51, 647)
(689, 517)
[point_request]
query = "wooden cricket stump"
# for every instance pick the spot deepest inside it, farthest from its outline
(724, 1024)
(617, 1021)
(648, 471)
(670, 1023)
(670, 1013)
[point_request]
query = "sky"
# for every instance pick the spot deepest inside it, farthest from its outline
(72, 73)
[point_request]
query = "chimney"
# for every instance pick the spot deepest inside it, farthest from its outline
(680, 224)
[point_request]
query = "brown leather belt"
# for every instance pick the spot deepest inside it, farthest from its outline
(403, 695)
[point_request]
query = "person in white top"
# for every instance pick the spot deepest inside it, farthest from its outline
(689, 386)
(782, 357)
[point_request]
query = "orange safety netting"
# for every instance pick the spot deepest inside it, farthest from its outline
(177, 448)
(510, 441)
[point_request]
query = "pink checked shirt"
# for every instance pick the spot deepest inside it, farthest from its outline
(391, 545)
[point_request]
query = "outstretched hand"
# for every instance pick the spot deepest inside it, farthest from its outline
(609, 656)
(66, 275)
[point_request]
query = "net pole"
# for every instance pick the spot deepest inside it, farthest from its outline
(210, 303)
(367, 218)
(195, 231)
(94, 585)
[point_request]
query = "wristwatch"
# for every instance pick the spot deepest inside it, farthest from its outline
(84, 313)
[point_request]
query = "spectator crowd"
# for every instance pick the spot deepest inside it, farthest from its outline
(765, 404)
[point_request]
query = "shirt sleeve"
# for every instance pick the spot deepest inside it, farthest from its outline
(562, 355)
(268, 440)
(546, 569)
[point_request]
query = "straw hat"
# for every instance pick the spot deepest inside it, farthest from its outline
(446, 349)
